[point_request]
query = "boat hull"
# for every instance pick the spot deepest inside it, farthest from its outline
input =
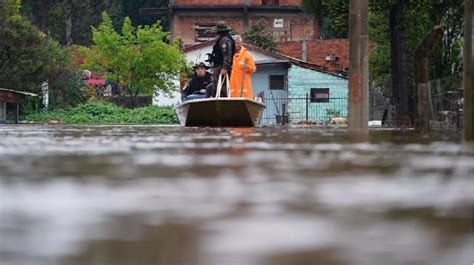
(220, 112)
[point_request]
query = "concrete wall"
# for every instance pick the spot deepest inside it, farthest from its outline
(300, 82)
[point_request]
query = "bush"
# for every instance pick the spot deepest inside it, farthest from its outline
(107, 113)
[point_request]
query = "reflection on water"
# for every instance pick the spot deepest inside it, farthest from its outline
(266, 196)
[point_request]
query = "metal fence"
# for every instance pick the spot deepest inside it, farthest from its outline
(287, 110)
(447, 102)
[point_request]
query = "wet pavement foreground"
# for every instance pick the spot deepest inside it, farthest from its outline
(266, 196)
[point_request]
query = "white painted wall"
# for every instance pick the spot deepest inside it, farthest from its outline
(166, 100)
(163, 99)
(199, 55)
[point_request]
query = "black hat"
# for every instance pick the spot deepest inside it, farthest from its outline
(201, 64)
(220, 27)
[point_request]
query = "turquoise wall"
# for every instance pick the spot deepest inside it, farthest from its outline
(300, 82)
(274, 99)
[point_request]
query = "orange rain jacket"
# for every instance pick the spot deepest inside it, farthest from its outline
(238, 75)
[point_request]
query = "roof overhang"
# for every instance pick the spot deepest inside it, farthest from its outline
(13, 96)
(286, 63)
(19, 92)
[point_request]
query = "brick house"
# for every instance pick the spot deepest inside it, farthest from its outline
(332, 55)
(295, 31)
(190, 20)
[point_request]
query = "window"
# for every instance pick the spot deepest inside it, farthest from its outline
(319, 94)
(281, 29)
(278, 23)
(270, 2)
(203, 32)
(277, 82)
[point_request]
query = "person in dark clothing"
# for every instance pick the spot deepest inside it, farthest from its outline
(221, 57)
(195, 88)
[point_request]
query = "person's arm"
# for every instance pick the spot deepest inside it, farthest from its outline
(251, 67)
(186, 88)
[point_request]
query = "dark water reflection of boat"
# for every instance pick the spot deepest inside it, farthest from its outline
(175, 195)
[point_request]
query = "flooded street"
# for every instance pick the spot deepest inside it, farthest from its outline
(265, 196)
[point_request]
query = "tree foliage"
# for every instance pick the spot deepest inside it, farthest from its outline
(336, 18)
(314, 7)
(28, 58)
(259, 35)
(447, 58)
(332, 16)
(395, 31)
(70, 21)
(144, 59)
(421, 17)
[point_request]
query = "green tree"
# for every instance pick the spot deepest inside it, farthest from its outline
(66, 88)
(259, 35)
(447, 58)
(144, 59)
(332, 16)
(28, 58)
(396, 29)
(23, 54)
(9, 8)
(314, 7)
(335, 19)
(69, 21)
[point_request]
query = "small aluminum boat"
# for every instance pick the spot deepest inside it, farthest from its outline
(220, 112)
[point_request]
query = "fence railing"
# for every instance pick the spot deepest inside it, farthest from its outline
(285, 110)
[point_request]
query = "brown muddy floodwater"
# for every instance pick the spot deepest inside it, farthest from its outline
(163, 195)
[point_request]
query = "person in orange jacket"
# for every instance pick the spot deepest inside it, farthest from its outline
(243, 66)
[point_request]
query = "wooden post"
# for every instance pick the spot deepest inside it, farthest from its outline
(468, 71)
(358, 67)
(307, 106)
(17, 112)
(3, 111)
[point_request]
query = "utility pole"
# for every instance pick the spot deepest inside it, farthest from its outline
(468, 71)
(358, 67)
